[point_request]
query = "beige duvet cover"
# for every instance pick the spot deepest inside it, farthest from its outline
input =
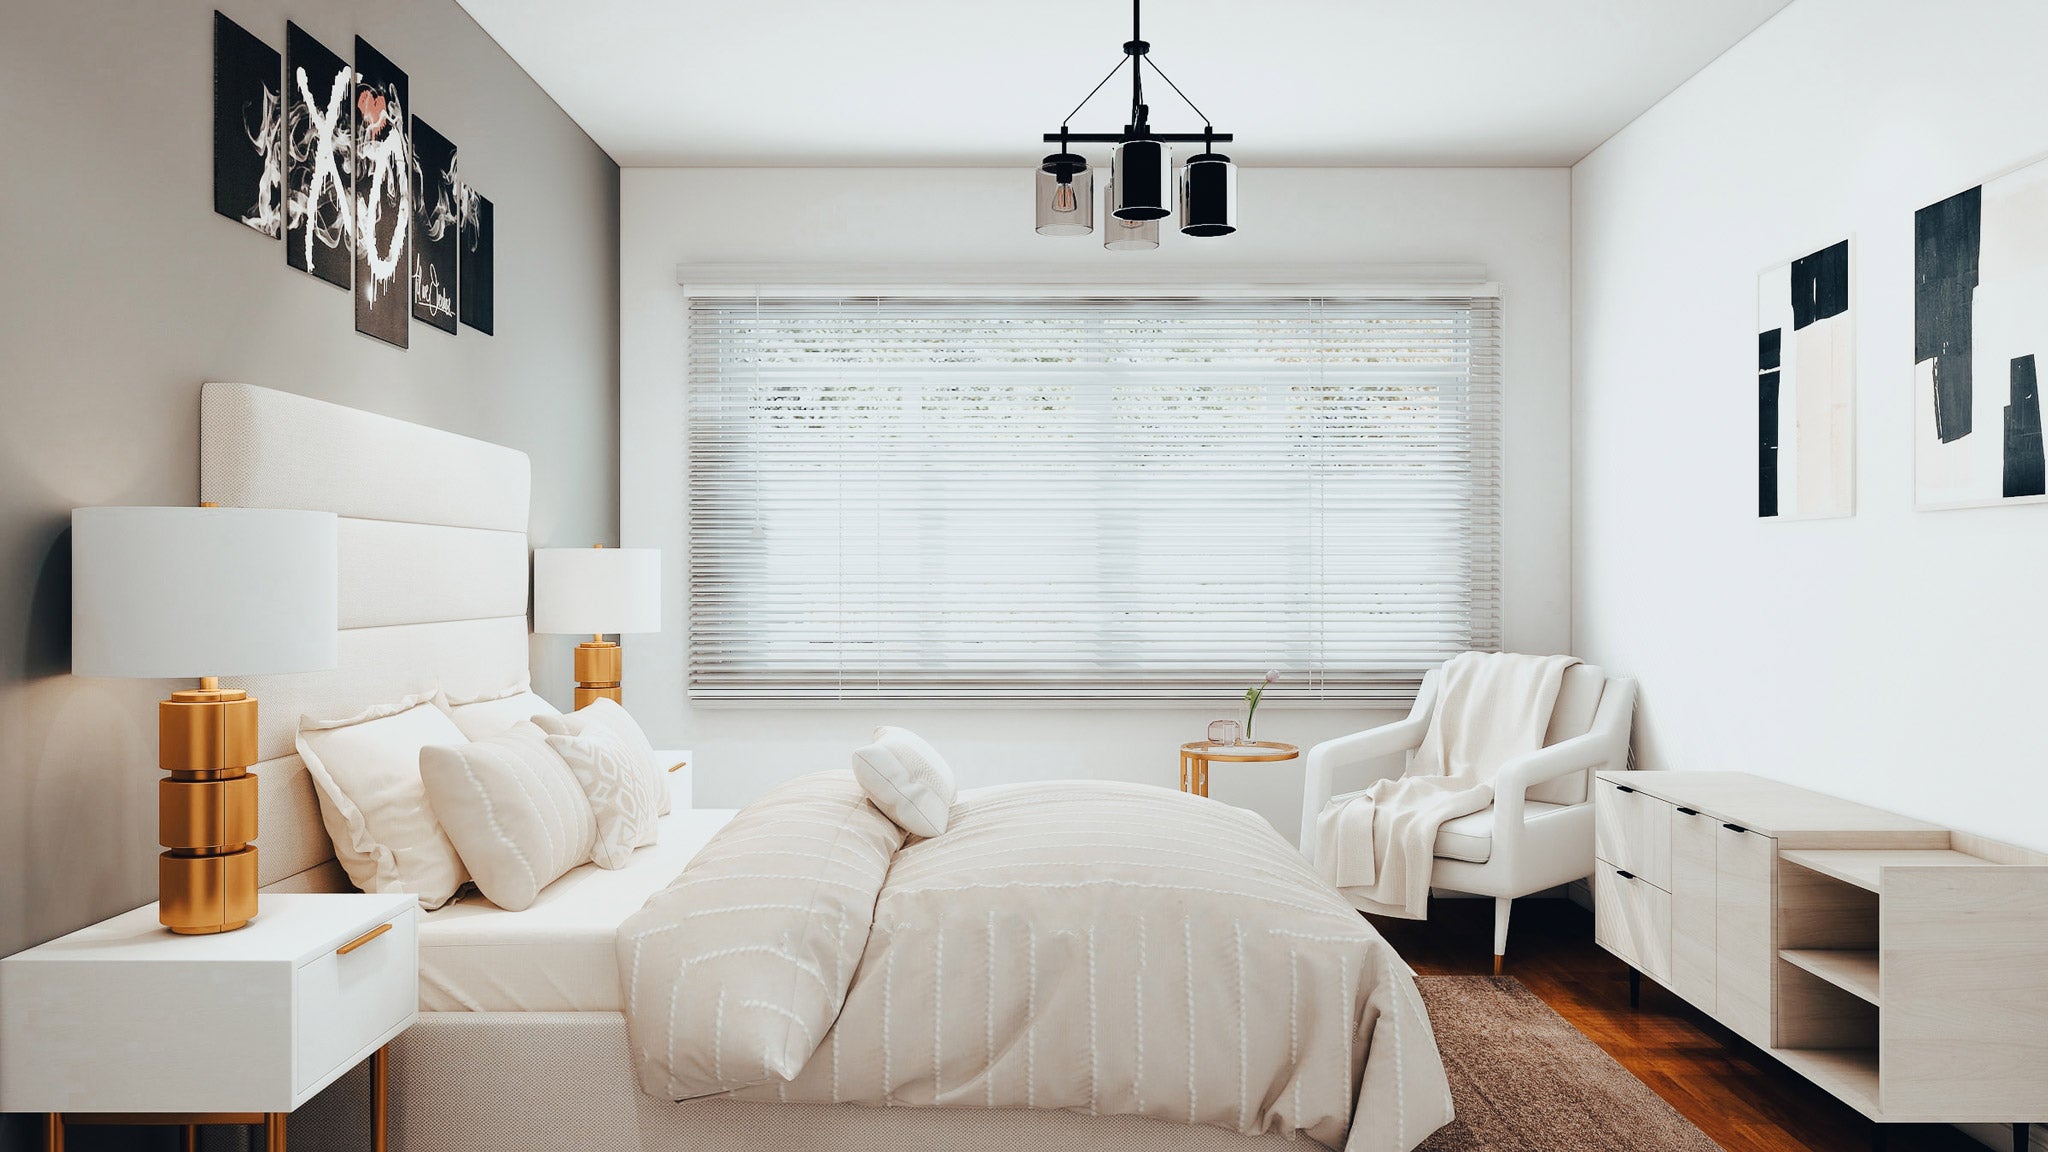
(1106, 948)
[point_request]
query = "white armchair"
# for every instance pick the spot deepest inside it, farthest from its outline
(1539, 832)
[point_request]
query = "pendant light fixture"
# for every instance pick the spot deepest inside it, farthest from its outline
(1143, 186)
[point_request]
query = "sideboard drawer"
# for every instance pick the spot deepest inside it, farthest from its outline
(1632, 919)
(1632, 832)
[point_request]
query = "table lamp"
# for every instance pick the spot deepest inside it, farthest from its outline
(160, 593)
(597, 590)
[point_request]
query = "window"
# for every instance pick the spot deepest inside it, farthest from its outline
(1085, 498)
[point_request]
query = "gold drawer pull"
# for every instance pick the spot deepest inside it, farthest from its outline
(365, 938)
(679, 765)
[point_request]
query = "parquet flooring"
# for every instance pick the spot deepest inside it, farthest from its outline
(1741, 1098)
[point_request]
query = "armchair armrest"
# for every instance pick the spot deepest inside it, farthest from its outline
(1325, 758)
(1605, 742)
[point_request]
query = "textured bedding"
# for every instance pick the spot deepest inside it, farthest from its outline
(1106, 948)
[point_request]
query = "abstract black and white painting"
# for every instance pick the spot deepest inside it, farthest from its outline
(435, 238)
(1980, 318)
(1806, 388)
(383, 197)
(319, 222)
(476, 258)
(248, 129)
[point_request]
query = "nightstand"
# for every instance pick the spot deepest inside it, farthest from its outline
(125, 1023)
(681, 767)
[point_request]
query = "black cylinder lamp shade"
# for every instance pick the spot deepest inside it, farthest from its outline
(1143, 178)
(1066, 196)
(1208, 195)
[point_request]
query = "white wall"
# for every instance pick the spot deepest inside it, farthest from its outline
(1895, 657)
(1515, 222)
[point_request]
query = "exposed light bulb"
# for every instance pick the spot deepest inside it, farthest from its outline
(1063, 198)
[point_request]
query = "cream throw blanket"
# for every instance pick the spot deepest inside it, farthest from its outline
(1490, 708)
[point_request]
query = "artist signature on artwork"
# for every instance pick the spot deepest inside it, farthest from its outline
(427, 292)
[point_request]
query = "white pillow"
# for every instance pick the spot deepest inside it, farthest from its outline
(907, 779)
(604, 715)
(495, 714)
(366, 771)
(626, 803)
(513, 810)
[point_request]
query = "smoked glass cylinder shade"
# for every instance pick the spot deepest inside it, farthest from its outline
(596, 591)
(1126, 235)
(1066, 209)
(1208, 195)
(1143, 179)
(162, 593)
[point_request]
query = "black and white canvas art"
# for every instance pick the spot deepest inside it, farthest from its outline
(435, 229)
(475, 296)
(319, 229)
(1980, 319)
(248, 129)
(383, 197)
(1806, 388)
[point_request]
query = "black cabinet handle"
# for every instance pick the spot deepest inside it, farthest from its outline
(1735, 827)
(1624, 874)
(1623, 788)
(1688, 811)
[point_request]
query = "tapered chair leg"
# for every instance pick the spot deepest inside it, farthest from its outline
(1501, 906)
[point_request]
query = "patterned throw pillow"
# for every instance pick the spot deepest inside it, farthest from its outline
(626, 802)
(605, 716)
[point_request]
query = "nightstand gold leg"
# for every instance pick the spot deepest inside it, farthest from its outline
(53, 1133)
(273, 1131)
(380, 1086)
(191, 1142)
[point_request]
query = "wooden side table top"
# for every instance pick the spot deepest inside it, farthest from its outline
(1248, 752)
(1197, 755)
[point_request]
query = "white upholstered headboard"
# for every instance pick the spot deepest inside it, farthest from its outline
(432, 582)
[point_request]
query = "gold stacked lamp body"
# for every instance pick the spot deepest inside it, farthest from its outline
(599, 667)
(206, 809)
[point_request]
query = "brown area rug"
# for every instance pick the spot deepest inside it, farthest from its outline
(1524, 1080)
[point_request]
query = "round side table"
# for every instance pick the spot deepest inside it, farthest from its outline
(1197, 755)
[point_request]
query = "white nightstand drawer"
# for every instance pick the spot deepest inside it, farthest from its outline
(345, 1003)
(126, 1017)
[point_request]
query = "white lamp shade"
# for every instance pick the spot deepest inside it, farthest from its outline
(158, 593)
(596, 590)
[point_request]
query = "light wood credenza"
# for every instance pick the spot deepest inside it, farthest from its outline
(1900, 967)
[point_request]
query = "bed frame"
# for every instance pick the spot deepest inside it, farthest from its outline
(433, 592)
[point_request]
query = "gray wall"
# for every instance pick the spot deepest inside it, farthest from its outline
(121, 291)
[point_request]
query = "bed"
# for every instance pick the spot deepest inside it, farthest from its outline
(527, 1033)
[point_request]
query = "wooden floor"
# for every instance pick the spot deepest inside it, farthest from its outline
(1742, 1099)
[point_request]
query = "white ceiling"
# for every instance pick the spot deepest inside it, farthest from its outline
(975, 82)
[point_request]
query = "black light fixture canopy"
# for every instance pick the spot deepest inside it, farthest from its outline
(1143, 186)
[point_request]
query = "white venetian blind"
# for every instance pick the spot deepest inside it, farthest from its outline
(1069, 498)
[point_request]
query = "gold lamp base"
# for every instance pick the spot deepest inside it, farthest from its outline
(206, 810)
(598, 665)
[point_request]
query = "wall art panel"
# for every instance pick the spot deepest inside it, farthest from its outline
(1980, 318)
(383, 197)
(435, 238)
(248, 129)
(319, 161)
(1806, 388)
